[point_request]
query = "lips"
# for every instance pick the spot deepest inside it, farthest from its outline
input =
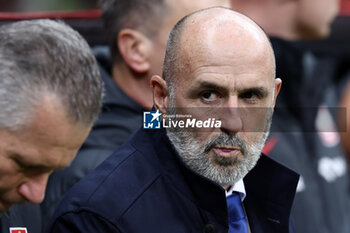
(226, 151)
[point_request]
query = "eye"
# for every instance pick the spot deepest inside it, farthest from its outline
(250, 96)
(209, 96)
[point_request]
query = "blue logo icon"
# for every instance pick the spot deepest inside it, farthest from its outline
(151, 120)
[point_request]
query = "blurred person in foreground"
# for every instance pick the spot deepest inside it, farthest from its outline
(138, 30)
(218, 64)
(304, 134)
(50, 95)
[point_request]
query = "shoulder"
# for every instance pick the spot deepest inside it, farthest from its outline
(270, 180)
(112, 188)
(83, 221)
(270, 191)
(268, 170)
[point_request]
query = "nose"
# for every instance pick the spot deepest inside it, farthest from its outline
(33, 190)
(231, 117)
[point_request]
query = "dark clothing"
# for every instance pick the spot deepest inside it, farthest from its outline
(322, 201)
(145, 187)
(119, 118)
(23, 215)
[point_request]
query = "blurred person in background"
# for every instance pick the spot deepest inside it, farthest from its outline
(138, 31)
(304, 134)
(50, 95)
(46, 5)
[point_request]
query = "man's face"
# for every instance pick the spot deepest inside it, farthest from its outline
(314, 17)
(177, 10)
(30, 154)
(222, 158)
(233, 84)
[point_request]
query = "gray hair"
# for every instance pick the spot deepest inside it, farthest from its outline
(143, 15)
(45, 56)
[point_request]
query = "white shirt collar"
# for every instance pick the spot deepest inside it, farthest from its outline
(237, 187)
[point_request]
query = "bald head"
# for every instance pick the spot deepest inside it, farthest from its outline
(212, 32)
(219, 64)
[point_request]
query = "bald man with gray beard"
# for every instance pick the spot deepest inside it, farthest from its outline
(218, 65)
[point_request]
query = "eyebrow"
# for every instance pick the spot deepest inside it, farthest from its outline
(260, 91)
(209, 85)
(20, 159)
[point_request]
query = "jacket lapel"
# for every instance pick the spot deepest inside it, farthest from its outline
(270, 191)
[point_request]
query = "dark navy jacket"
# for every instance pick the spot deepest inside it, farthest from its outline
(145, 187)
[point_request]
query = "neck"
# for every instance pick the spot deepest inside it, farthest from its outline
(136, 86)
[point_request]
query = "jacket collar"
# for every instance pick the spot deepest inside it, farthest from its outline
(208, 195)
(115, 96)
(270, 186)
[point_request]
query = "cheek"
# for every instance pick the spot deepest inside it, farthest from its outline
(182, 104)
(9, 180)
(335, 8)
(328, 11)
(251, 138)
(203, 136)
(311, 14)
(324, 12)
(66, 157)
(255, 120)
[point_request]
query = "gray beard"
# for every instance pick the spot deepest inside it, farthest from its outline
(222, 170)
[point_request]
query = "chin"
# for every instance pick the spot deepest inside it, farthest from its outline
(309, 32)
(326, 32)
(321, 33)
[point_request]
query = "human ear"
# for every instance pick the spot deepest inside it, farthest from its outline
(160, 93)
(135, 48)
(278, 84)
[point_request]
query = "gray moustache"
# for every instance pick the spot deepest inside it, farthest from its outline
(226, 140)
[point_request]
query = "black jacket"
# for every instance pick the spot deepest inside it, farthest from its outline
(145, 187)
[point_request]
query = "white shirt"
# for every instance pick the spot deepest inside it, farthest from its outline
(237, 187)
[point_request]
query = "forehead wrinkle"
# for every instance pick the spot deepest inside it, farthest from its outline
(202, 68)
